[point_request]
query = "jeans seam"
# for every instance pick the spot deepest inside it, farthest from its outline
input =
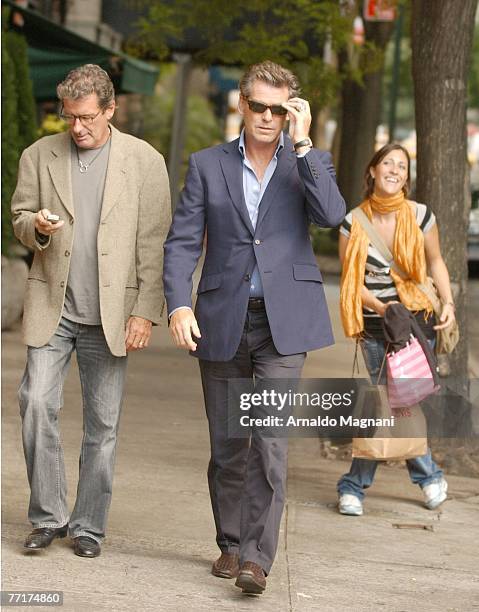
(57, 453)
(58, 483)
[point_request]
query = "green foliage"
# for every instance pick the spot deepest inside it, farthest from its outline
(202, 127)
(243, 33)
(26, 113)
(18, 119)
(10, 142)
(324, 243)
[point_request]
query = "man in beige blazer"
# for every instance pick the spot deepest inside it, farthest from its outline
(94, 205)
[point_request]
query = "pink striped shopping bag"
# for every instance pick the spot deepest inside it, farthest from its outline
(409, 377)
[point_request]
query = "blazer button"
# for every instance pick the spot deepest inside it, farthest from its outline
(71, 221)
(257, 241)
(67, 253)
(62, 284)
(247, 277)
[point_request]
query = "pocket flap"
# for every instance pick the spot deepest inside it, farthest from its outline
(212, 281)
(308, 272)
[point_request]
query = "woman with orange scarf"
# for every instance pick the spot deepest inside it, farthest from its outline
(369, 286)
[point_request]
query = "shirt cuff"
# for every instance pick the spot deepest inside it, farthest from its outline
(298, 155)
(178, 308)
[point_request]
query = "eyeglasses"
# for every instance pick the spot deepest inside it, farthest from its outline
(259, 107)
(83, 119)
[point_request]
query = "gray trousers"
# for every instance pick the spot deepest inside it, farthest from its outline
(247, 477)
(41, 398)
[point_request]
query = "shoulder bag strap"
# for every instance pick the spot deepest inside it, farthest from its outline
(379, 243)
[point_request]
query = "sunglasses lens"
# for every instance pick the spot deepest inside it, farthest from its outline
(257, 107)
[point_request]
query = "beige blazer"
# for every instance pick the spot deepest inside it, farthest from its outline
(135, 218)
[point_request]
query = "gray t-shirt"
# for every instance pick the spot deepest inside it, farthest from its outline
(82, 299)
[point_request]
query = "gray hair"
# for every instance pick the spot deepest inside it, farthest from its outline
(86, 80)
(270, 73)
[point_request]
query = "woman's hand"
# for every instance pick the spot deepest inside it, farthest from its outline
(447, 317)
(381, 308)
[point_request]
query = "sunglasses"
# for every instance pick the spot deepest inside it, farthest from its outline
(259, 107)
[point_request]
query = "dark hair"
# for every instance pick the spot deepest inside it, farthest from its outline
(270, 73)
(377, 158)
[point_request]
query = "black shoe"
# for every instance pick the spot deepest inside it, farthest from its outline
(86, 547)
(44, 536)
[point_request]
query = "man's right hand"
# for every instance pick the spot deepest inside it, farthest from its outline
(183, 326)
(47, 228)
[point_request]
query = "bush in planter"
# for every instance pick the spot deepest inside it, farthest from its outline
(10, 143)
(19, 128)
(26, 112)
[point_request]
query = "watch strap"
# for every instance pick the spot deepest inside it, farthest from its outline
(306, 142)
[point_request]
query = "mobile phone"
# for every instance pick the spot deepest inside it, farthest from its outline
(53, 218)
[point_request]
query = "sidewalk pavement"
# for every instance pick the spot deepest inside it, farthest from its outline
(160, 542)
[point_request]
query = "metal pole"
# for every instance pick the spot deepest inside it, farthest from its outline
(184, 64)
(395, 74)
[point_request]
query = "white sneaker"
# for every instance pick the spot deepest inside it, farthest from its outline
(350, 504)
(435, 493)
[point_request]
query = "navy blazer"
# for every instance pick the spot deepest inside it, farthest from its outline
(302, 190)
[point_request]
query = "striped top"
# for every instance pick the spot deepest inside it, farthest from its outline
(377, 275)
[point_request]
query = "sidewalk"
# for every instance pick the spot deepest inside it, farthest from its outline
(160, 543)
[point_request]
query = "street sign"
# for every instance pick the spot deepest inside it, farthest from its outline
(379, 10)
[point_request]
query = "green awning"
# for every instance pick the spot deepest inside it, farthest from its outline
(54, 50)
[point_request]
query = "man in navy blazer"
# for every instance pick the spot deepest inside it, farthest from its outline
(261, 303)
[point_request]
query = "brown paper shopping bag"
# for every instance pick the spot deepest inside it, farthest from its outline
(405, 440)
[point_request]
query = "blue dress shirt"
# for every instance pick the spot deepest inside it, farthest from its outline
(253, 192)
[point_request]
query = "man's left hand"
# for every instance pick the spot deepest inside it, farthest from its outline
(137, 333)
(299, 118)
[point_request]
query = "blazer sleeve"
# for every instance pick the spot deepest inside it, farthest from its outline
(184, 244)
(154, 216)
(26, 203)
(324, 203)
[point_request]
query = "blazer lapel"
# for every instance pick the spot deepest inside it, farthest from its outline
(286, 162)
(115, 175)
(60, 172)
(232, 167)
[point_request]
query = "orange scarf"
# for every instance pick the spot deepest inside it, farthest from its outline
(408, 253)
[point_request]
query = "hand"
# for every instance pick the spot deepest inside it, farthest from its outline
(137, 333)
(447, 317)
(47, 228)
(381, 309)
(299, 115)
(183, 326)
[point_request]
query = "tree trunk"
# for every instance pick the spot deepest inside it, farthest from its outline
(442, 34)
(360, 116)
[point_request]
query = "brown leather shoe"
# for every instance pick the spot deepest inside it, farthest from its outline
(226, 566)
(251, 578)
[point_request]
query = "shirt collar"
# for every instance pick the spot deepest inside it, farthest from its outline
(242, 147)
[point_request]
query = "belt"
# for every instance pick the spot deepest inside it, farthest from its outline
(256, 304)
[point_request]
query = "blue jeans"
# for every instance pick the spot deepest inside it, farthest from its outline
(422, 470)
(102, 377)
